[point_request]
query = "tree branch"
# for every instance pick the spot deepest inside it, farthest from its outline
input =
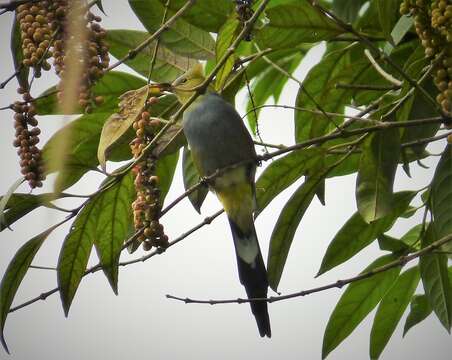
(98, 267)
(402, 261)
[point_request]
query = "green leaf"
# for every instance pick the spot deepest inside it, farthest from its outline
(82, 136)
(388, 243)
(5, 199)
(391, 309)
(401, 28)
(181, 37)
(294, 23)
(270, 82)
(166, 166)
(435, 279)
(75, 251)
(417, 107)
(374, 185)
(226, 37)
(112, 85)
(18, 56)
(14, 275)
(168, 65)
(113, 226)
(388, 14)
(441, 196)
(287, 224)
(413, 236)
(191, 178)
(356, 234)
(358, 300)
(347, 10)
(337, 66)
(419, 310)
(208, 15)
(20, 205)
(282, 173)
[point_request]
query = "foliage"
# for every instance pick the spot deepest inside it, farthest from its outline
(395, 123)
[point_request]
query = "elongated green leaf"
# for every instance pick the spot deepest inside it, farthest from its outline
(168, 65)
(413, 237)
(287, 224)
(435, 279)
(191, 178)
(347, 10)
(358, 300)
(226, 37)
(14, 275)
(113, 226)
(209, 15)
(282, 173)
(419, 310)
(112, 85)
(320, 90)
(181, 37)
(83, 137)
(388, 243)
(166, 166)
(293, 23)
(379, 160)
(401, 28)
(5, 199)
(441, 196)
(270, 83)
(356, 234)
(75, 251)
(18, 56)
(417, 107)
(388, 14)
(20, 205)
(391, 309)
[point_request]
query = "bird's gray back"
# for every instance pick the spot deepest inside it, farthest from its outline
(216, 134)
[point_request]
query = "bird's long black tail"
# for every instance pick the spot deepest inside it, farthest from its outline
(252, 273)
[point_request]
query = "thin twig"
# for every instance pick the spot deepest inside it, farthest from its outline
(397, 83)
(424, 141)
(366, 87)
(98, 267)
(42, 267)
(370, 45)
(402, 261)
(4, 83)
(132, 53)
(300, 84)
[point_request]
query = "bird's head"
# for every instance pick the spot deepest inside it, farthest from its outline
(184, 86)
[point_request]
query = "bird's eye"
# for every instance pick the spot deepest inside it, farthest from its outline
(184, 80)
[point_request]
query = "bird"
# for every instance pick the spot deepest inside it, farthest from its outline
(221, 145)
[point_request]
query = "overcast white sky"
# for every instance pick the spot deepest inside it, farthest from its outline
(141, 323)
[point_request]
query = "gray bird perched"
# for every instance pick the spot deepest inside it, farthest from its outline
(218, 139)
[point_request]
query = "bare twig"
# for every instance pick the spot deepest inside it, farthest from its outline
(402, 261)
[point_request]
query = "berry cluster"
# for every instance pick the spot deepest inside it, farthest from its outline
(26, 139)
(146, 207)
(44, 33)
(35, 21)
(433, 23)
(442, 17)
(93, 57)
